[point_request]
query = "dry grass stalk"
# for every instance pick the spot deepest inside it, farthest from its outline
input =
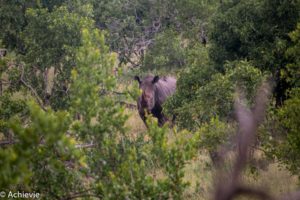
(229, 184)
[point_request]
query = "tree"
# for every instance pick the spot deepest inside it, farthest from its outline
(289, 148)
(203, 93)
(136, 27)
(292, 70)
(281, 132)
(12, 16)
(256, 31)
(13, 20)
(51, 40)
(167, 53)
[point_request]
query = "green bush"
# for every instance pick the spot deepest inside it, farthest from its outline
(213, 134)
(38, 161)
(203, 94)
(280, 134)
(258, 32)
(86, 151)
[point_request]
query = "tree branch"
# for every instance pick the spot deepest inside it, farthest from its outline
(7, 142)
(82, 146)
(31, 89)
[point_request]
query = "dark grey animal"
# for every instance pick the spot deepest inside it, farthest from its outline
(155, 91)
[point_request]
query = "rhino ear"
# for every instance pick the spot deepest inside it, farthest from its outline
(137, 78)
(155, 79)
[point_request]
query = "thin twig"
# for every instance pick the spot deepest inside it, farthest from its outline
(31, 89)
(82, 146)
(7, 142)
(127, 105)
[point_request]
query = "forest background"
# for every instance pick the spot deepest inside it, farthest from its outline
(69, 128)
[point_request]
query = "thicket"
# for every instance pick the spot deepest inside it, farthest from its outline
(249, 41)
(62, 129)
(63, 133)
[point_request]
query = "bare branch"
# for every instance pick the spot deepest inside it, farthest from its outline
(82, 146)
(230, 184)
(82, 194)
(127, 105)
(7, 142)
(31, 89)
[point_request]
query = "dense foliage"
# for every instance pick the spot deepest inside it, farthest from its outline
(256, 31)
(249, 42)
(63, 129)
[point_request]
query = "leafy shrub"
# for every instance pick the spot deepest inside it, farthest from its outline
(86, 151)
(38, 159)
(215, 133)
(292, 71)
(203, 94)
(280, 134)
